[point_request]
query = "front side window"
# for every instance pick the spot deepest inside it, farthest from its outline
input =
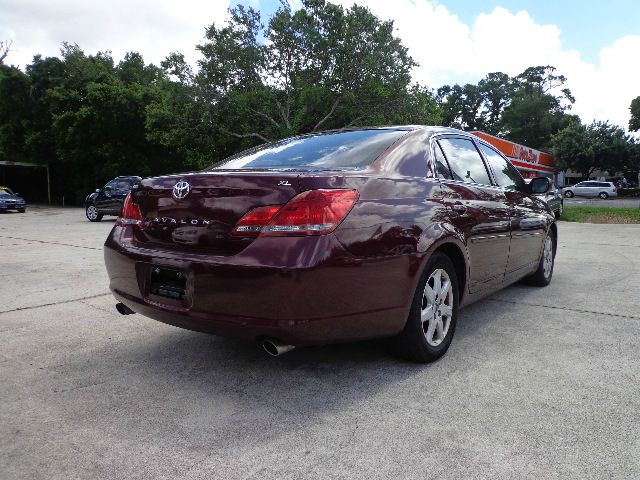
(118, 185)
(464, 160)
(505, 174)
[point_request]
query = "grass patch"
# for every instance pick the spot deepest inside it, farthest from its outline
(600, 215)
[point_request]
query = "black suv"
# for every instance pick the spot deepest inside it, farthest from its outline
(108, 199)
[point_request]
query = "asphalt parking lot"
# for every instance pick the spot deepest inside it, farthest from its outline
(538, 383)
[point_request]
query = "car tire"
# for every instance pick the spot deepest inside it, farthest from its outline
(603, 195)
(542, 276)
(433, 315)
(568, 194)
(92, 213)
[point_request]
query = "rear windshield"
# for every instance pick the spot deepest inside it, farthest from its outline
(328, 150)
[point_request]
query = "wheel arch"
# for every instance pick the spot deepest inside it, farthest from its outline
(450, 242)
(456, 256)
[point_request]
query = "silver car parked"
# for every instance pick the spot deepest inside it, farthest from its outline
(591, 188)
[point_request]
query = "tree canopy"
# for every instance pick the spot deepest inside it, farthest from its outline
(634, 122)
(598, 146)
(315, 68)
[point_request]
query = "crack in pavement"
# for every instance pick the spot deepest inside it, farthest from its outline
(51, 243)
(31, 307)
(577, 310)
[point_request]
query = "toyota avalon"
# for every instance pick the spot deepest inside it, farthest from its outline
(333, 237)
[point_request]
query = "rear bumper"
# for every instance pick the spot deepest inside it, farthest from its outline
(300, 290)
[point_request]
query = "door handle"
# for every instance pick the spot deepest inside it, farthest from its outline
(459, 207)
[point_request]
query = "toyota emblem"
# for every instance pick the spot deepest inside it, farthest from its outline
(181, 190)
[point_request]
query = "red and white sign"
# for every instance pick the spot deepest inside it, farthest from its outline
(525, 154)
(526, 159)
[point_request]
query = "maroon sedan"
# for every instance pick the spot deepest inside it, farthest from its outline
(333, 237)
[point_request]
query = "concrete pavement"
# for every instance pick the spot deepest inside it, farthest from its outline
(538, 383)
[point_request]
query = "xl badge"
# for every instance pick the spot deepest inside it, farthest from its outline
(181, 190)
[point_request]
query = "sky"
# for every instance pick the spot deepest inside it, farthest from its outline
(596, 45)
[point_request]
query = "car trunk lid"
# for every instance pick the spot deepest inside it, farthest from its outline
(197, 211)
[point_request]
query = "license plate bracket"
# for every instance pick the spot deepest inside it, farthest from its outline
(168, 283)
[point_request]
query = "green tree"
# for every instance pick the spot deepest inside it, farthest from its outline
(496, 90)
(634, 121)
(476, 107)
(538, 108)
(317, 68)
(599, 146)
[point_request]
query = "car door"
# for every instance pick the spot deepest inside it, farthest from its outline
(588, 189)
(119, 191)
(111, 197)
(580, 189)
(102, 200)
(528, 217)
(476, 207)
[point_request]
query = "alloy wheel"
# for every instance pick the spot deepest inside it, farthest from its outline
(547, 259)
(92, 212)
(437, 307)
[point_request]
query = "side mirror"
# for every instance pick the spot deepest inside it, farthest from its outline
(540, 185)
(97, 190)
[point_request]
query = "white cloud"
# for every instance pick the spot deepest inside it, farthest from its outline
(155, 29)
(450, 51)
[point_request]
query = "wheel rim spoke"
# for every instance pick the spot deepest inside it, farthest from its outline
(427, 314)
(430, 331)
(439, 329)
(429, 294)
(437, 281)
(444, 291)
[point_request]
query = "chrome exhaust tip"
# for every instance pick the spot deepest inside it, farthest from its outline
(123, 309)
(275, 347)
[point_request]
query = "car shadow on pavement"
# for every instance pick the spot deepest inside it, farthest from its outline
(201, 392)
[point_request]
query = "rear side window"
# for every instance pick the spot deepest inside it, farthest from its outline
(464, 160)
(328, 150)
(505, 174)
(442, 168)
(604, 184)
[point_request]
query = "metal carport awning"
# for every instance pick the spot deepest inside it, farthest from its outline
(8, 163)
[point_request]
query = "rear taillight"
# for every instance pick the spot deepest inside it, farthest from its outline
(614, 188)
(253, 222)
(130, 213)
(314, 212)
